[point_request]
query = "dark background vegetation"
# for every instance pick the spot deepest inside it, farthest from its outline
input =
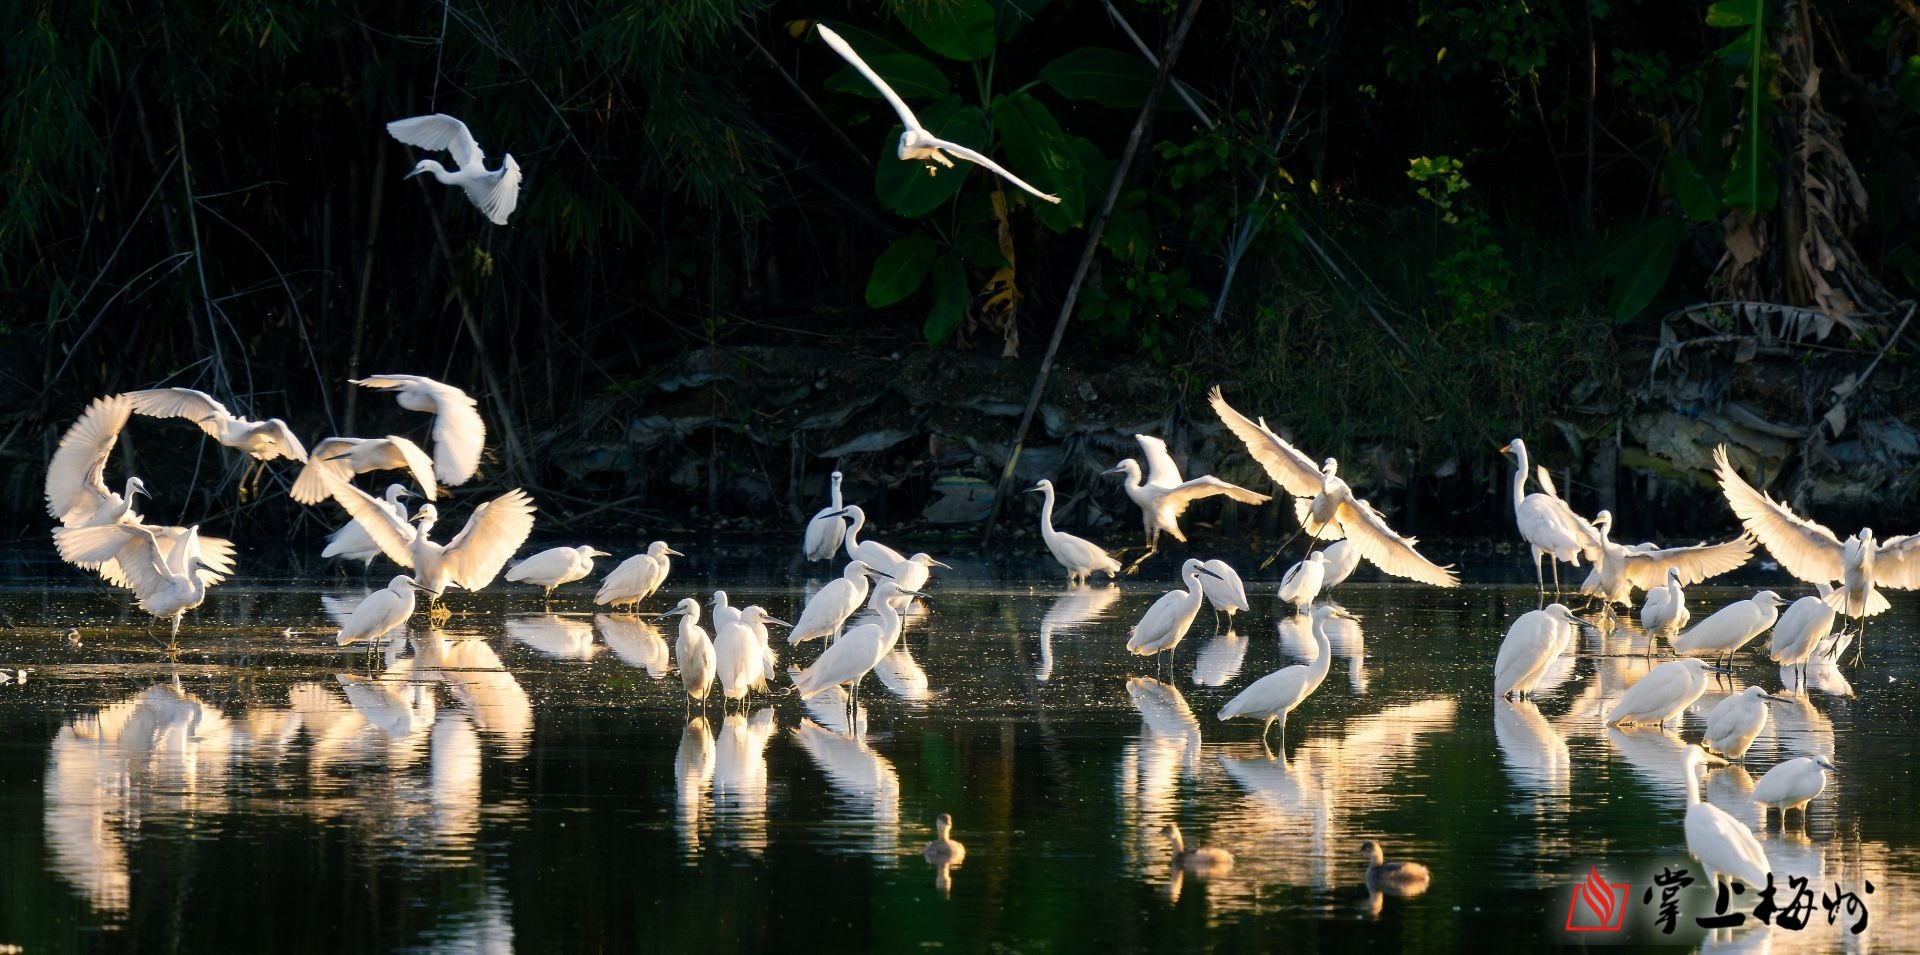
(1403, 231)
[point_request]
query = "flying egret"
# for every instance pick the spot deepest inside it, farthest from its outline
(874, 553)
(261, 440)
(1393, 878)
(77, 492)
(1301, 584)
(857, 651)
(1723, 844)
(1275, 695)
(1802, 628)
(827, 612)
(944, 849)
(345, 457)
(637, 577)
(1170, 617)
(1534, 640)
(1791, 785)
(168, 580)
(1325, 504)
(1664, 693)
(1079, 556)
(1735, 722)
(1163, 496)
(1730, 627)
(351, 541)
(827, 530)
(1342, 560)
(1664, 612)
(915, 141)
(1200, 861)
(1225, 593)
(494, 192)
(693, 652)
(555, 566)
(380, 612)
(1550, 527)
(1620, 570)
(469, 561)
(458, 433)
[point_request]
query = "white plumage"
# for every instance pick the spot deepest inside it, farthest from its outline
(638, 577)
(832, 604)
(1723, 844)
(1342, 560)
(352, 542)
(876, 555)
(1619, 570)
(169, 579)
(1792, 784)
(556, 566)
(693, 651)
(263, 440)
(1224, 590)
(1301, 583)
(458, 433)
(1172, 615)
(495, 192)
(1163, 496)
(1730, 627)
(77, 492)
(1079, 556)
(1664, 612)
(635, 641)
(1735, 722)
(1534, 640)
(857, 651)
(342, 458)
(470, 561)
(1549, 526)
(379, 613)
(1275, 695)
(1664, 693)
(1805, 624)
(827, 530)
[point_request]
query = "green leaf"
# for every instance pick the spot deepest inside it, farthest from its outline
(1737, 13)
(1639, 263)
(956, 29)
(1689, 188)
(910, 76)
(1015, 15)
(1039, 153)
(899, 271)
(949, 300)
(981, 247)
(1129, 235)
(1750, 184)
(1103, 76)
(906, 187)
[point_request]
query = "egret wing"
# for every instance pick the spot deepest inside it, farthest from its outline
(418, 464)
(1807, 550)
(1710, 830)
(1896, 562)
(498, 193)
(290, 446)
(1207, 485)
(1161, 471)
(458, 435)
(439, 131)
(310, 487)
(980, 160)
(1647, 570)
(1284, 463)
(496, 529)
(393, 535)
(893, 99)
(195, 406)
(76, 478)
(1386, 549)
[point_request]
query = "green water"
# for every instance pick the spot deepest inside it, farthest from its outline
(520, 781)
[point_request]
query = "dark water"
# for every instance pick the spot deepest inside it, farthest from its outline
(516, 780)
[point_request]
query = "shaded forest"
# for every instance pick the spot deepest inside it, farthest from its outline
(1404, 232)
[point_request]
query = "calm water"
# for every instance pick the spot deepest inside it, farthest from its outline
(518, 780)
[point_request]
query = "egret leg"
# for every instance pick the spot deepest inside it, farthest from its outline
(1539, 579)
(1282, 549)
(1860, 642)
(1556, 577)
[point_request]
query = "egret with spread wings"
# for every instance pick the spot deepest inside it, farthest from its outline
(342, 458)
(458, 432)
(1619, 570)
(168, 572)
(470, 561)
(77, 491)
(1163, 496)
(495, 192)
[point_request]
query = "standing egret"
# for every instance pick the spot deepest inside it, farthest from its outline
(77, 492)
(876, 555)
(1396, 877)
(1534, 640)
(1723, 844)
(832, 604)
(724, 613)
(494, 192)
(351, 541)
(1080, 557)
(827, 530)
(693, 651)
(756, 619)
(1730, 627)
(458, 433)
(470, 561)
(1664, 693)
(1326, 505)
(381, 611)
(261, 440)
(1664, 612)
(944, 849)
(555, 566)
(1620, 570)
(1163, 496)
(915, 141)
(1550, 527)
(168, 579)
(343, 458)
(1791, 785)
(1224, 591)
(737, 661)
(1301, 584)
(1172, 615)
(637, 577)
(1275, 695)
(1735, 722)
(857, 651)
(1805, 625)
(1342, 560)
(913, 573)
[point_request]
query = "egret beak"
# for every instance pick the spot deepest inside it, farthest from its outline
(675, 612)
(1342, 612)
(938, 564)
(1770, 698)
(1035, 489)
(416, 586)
(779, 621)
(343, 454)
(673, 552)
(877, 572)
(404, 493)
(417, 517)
(1507, 450)
(1113, 470)
(1823, 764)
(417, 171)
(1209, 573)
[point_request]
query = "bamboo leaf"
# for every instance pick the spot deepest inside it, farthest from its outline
(899, 271)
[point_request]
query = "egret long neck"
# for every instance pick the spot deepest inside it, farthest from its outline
(1693, 789)
(1519, 477)
(836, 495)
(1046, 511)
(853, 530)
(1324, 661)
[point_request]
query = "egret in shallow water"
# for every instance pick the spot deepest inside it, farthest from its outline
(1080, 557)
(1342, 560)
(756, 618)
(857, 651)
(379, 613)
(495, 192)
(827, 612)
(1791, 785)
(458, 433)
(1301, 584)
(1396, 877)
(944, 849)
(1172, 615)
(827, 530)
(1802, 628)
(1735, 722)
(1275, 695)
(876, 555)
(637, 577)
(469, 561)
(1619, 570)
(1534, 640)
(1664, 693)
(1325, 504)
(556, 566)
(342, 458)
(1664, 612)
(693, 651)
(1200, 860)
(1721, 843)
(1730, 627)
(169, 578)
(1225, 593)
(262, 440)
(1550, 527)
(736, 658)
(916, 143)
(351, 541)
(77, 492)
(1162, 497)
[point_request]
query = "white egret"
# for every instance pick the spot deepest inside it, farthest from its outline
(724, 613)
(458, 433)
(1735, 722)
(1201, 861)
(1802, 628)
(1275, 695)
(693, 652)
(214, 554)
(857, 651)
(1791, 785)
(637, 577)
(1550, 527)
(1664, 693)
(556, 566)
(1534, 640)
(378, 614)
(1163, 496)
(756, 619)
(1620, 570)
(77, 492)
(1302, 581)
(1396, 877)
(1723, 844)
(944, 849)
(827, 530)
(1730, 627)
(1342, 560)
(875, 554)
(1079, 556)
(168, 579)
(351, 541)
(912, 574)
(1225, 593)
(345, 457)
(1326, 505)
(470, 561)
(827, 612)
(1664, 612)
(736, 659)
(916, 143)
(261, 440)
(495, 192)
(1172, 615)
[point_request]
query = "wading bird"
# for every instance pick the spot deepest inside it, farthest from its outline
(1200, 861)
(1723, 844)
(637, 577)
(1163, 496)
(857, 651)
(168, 579)
(1619, 570)
(458, 433)
(756, 619)
(1225, 593)
(494, 192)
(915, 142)
(827, 530)
(381, 611)
(876, 555)
(944, 849)
(1802, 628)
(343, 458)
(77, 492)
(1393, 878)
(469, 561)
(1275, 695)
(1079, 556)
(261, 440)
(1791, 785)
(1550, 527)
(832, 604)
(1302, 582)
(555, 566)
(693, 651)
(1735, 722)
(1325, 504)
(1730, 627)
(351, 541)
(1342, 560)
(1172, 615)
(1664, 612)
(1664, 693)
(1534, 640)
